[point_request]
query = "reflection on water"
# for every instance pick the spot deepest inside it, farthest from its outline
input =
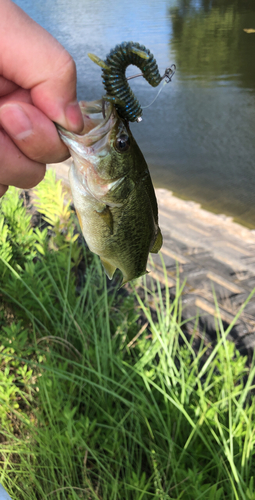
(210, 43)
(215, 60)
(198, 137)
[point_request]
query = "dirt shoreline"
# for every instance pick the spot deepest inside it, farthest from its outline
(214, 258)
(171, 202)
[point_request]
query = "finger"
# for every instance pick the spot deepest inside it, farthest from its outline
(43, 66)
(18, 94)
(6, 86)
(16, 169)
(34, 134)
(3, 190)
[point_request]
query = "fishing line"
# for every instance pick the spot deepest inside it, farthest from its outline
(167, 77)
(160, 89)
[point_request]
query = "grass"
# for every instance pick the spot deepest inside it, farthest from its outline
(101, 397)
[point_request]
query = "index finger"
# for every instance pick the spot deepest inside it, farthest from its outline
(35, 60)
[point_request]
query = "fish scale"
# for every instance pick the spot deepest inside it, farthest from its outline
(112, 192)
(110, 182)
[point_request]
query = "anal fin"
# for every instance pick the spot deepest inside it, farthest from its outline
(127, 279)
(158, 243)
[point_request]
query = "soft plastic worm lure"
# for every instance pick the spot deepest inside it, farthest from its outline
(116, 83)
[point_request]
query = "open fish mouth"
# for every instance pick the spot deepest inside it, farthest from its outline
(89, 148)
(112, 191)
(109, 178)
(99, 118)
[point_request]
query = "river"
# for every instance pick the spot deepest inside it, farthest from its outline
(199, 136)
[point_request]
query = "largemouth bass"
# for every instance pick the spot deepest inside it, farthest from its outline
(112, 191)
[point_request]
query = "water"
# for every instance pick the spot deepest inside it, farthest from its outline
(199, 136)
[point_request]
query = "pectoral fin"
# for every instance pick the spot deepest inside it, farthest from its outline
(109, 268)
(106, 215)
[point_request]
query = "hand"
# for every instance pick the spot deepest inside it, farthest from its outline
(37, 87)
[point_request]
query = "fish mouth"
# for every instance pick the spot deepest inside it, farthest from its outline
(99, 118)
(88, 149)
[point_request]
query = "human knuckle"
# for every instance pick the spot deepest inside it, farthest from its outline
(67, 66)
(34, 179)
(3, 190)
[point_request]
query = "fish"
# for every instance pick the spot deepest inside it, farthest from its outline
(112, 191)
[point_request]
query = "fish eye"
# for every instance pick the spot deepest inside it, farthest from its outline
(122, 143)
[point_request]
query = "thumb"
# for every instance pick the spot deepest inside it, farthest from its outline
(34, 60)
